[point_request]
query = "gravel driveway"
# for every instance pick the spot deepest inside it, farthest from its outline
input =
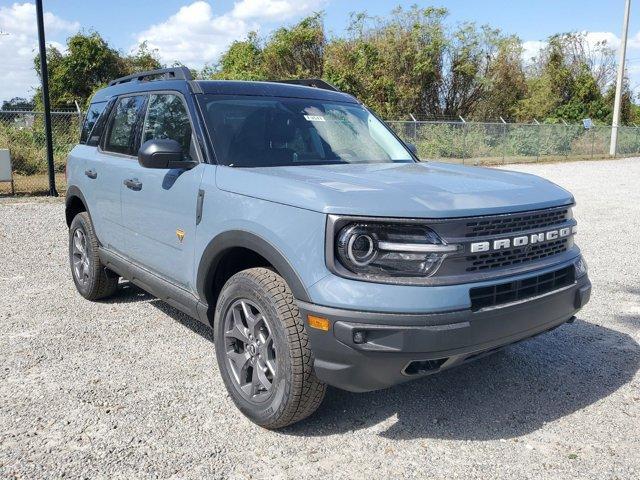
(129, 388)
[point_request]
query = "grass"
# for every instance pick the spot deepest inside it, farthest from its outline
(37, 184)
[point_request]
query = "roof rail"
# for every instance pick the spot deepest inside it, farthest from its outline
(174, 73)
(311, 82)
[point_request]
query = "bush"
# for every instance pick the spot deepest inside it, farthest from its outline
(24, 137)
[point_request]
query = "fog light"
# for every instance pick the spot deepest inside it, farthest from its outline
(318, 323)
(359, 337)
(581, 267)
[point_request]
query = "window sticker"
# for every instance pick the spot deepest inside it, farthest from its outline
(314, 118)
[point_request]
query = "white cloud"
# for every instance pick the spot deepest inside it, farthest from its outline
(531, 49)
(195, 35)
(274, 9)
(19, 46)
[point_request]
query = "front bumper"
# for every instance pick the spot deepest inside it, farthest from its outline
(366, 351)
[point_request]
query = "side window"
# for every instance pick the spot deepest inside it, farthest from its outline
(167, 118)
(90, 120)
(121, 132)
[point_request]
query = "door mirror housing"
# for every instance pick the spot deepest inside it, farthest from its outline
(164, 154)
(412, 148)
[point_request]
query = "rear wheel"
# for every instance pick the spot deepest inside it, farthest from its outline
(92, 279)
(263, 350)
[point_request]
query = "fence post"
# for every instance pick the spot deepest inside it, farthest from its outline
(79, 117)
(566, 137)
(538, 144)
(415, 128)
(504, 140)
(464, 138)
(593, 140)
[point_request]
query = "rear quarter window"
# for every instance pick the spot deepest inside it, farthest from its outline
(90, 119)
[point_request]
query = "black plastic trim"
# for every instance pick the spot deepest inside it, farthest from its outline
(74, 191)
(217, 247)
(173, 73)
(157, 286)
(364, 351)
(199, 205)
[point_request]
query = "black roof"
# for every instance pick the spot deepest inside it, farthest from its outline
(271, 89)
(223, 87)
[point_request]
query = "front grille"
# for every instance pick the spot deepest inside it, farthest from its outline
(515, 256)
(483, 297)
(516, 223)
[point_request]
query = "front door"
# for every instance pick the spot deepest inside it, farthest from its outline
(111, 156)
(159, 205)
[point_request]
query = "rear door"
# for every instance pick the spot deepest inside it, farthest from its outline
(159, 205)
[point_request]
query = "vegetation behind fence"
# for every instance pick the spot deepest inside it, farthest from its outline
(493, 143)
(22, 132)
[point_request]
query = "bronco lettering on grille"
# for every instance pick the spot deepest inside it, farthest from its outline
(521, 241)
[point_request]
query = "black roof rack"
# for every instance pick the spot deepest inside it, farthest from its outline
(311, 82)
(175, 73)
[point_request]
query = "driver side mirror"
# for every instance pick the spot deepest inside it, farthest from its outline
(412, 148)
(164, 154)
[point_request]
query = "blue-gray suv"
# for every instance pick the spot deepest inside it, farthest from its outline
(321, 251)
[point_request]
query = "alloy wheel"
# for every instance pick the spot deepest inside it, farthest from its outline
(80, 257)
(250, 350)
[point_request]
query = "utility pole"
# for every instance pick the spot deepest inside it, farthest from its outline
(44, 76)
(619, 80)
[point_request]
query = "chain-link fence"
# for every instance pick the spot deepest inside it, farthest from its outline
(22, 133)
(496, 143)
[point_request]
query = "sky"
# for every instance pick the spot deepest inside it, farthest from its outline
(196, 32)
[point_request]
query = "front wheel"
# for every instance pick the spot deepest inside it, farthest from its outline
(263, 350)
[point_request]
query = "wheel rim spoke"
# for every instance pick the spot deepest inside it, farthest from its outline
(259, 372)
(80, 258)
(249, 350)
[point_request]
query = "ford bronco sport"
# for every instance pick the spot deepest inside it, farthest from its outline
(291, 220)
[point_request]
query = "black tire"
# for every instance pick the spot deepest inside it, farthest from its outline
(94, 281)
(295, 392)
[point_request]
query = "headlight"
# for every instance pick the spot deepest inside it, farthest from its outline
(388, 249)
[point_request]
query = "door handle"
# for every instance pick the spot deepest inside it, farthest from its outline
(133, 184)
(91, 174)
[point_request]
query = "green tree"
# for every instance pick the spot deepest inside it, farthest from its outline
(295, 52)
(242, 61)
(505, 83)
(88, 64)
(17, 103)
(142, 59)
(394, 64)
(567, 79)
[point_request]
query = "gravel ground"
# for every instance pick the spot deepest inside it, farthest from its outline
(129, 388)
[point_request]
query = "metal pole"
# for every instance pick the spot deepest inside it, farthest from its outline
(44, 74)
(619, 80)
(415, 128)
(504, 140)
(80, 119)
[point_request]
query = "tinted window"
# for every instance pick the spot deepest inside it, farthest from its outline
(256, 132)
(121, 134)
(167, 118)
(90, 120)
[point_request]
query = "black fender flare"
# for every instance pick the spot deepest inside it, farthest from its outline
(74, 192)
(225, 241)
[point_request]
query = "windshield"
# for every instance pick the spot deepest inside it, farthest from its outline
(273, 131)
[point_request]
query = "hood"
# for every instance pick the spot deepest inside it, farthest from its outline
(414, 190)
